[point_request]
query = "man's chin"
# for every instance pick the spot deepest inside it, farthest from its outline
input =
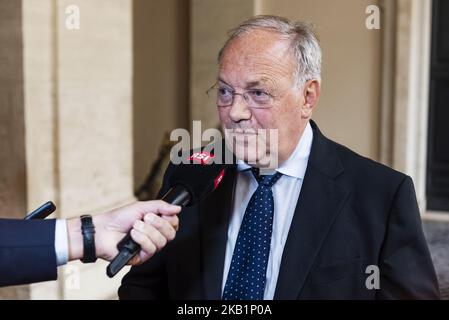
(243, 155)
(251, 157)
(250, 151)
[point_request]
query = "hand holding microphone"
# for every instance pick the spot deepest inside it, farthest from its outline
(189, 183)
(150, 223)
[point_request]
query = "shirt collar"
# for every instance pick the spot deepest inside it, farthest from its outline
(296, 165)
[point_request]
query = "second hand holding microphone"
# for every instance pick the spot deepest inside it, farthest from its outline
(189, 183)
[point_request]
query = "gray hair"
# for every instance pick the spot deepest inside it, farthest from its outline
(304, 43)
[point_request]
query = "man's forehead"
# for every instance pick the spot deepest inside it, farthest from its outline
(246, 48)
(254, 53)
(254, 70)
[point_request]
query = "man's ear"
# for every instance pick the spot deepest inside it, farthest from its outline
(311, 92)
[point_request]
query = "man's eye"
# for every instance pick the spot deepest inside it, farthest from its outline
(224, 92)
(259, 94)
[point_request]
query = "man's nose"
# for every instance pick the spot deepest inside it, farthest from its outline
(239, 109)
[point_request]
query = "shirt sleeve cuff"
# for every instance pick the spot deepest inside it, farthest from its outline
(61, 242)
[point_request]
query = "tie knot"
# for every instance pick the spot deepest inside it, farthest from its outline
(265, 179)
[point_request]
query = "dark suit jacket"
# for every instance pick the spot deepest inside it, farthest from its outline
(27, 251)
(351, 213)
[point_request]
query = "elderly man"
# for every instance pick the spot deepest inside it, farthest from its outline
(327, 224)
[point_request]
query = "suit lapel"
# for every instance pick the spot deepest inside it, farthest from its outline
(214, 217)
(320, 201)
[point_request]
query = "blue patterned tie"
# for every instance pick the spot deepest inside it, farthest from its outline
(247, 272)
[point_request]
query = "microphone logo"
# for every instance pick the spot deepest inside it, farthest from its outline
(201, 157)
(219, 178)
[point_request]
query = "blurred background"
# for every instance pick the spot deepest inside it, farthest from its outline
(89, 90)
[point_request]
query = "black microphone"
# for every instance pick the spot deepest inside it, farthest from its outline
(190, 183)
(42, 212)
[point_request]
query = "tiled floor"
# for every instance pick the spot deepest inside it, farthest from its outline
(437, 233)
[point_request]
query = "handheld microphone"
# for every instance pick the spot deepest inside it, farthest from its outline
(189, 183)
(42, 212)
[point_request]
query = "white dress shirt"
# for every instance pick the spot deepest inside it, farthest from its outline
(285, 195)
(61, 242)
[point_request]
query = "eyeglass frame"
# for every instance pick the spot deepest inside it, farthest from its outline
(244, 95)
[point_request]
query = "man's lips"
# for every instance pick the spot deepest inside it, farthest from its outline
(243, 131)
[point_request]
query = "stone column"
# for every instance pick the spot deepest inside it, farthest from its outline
(95, 121)
(411, 103)
(78, 106)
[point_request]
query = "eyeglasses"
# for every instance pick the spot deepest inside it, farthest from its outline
(254, 98)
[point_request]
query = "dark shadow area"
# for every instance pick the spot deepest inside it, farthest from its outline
(438, 145)
(437, 234)
(160, 79)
